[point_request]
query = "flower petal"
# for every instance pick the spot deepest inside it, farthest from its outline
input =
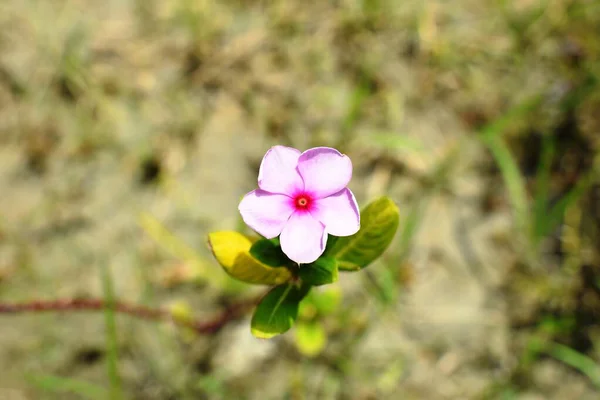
(266, 212)
(277, 173)
(303, 238)
(325, 171)
(338, 212)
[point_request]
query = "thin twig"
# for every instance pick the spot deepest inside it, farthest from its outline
(210, 326)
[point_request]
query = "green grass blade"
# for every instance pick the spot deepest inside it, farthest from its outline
(579, 361)
(357, 98)
(491, 136)
(59, 384)
(556, 213)
(542, 185)
(513, 180)
(410, 226)
(499, 125)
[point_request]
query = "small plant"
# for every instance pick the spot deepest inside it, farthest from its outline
(311, 229)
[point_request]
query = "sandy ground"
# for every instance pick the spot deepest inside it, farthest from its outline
(115, 112)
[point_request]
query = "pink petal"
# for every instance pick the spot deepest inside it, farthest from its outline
(325, 171)
(278, 172)
(266, 212)
(303, 238)
(338, 212)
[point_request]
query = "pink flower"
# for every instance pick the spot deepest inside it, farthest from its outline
(302, 197)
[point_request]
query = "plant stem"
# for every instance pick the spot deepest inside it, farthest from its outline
(210, 326)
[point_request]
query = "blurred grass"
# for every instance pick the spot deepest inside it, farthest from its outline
(582, 363)
(198, 269)
(492, 137)
(58, 385)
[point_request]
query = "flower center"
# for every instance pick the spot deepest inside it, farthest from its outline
(302, 202)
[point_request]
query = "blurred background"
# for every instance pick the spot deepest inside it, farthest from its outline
(129, 129)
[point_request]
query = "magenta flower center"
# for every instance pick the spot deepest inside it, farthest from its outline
(302, 201)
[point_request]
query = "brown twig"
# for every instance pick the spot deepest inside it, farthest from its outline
(210, 326)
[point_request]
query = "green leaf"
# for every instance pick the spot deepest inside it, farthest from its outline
(277, 311)
(542, 187)
(330, 252)
(320, 272)
(232, 251)
(268, 252)
(331, 242)
(310, 338)
(378, 225)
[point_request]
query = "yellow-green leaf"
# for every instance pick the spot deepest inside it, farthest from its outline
(277, 311)
(227, 245)
(232, 251)
(310, 338)
(378, 225)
